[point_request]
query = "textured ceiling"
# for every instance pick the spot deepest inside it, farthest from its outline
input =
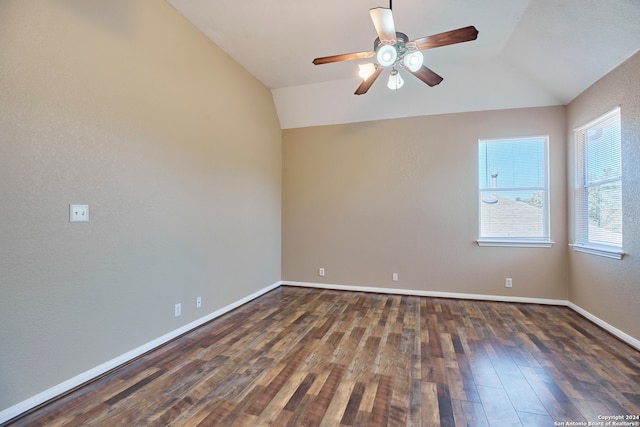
(528, 52)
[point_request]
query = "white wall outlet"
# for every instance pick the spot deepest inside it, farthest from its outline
(395, 277)
(321, 271)
(199, 302)
(177, 310)
(78, 213)
(508, 283)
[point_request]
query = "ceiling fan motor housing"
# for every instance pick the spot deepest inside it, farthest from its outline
(400, 46)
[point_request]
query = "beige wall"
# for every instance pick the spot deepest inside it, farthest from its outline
(365, 200)
(607, 288)
(124, 106)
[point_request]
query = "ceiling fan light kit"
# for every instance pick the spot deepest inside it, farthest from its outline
(366, 70)
(393, 49)
(387, 55)
(395, 80)
(413, 61)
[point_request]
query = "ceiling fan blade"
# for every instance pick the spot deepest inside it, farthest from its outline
(383, 21)
(343, 57)
(427, 75)
(366, 84)
(460, 35)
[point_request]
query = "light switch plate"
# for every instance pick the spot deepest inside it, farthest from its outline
(79, 213)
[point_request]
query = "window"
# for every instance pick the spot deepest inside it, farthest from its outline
(598, 192)
(514, 196)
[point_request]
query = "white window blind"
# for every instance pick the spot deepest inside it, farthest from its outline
(513, 187)
(598, 194)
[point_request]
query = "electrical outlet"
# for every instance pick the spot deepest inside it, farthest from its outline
(78, 213)
(199, 302)
(321, 271)
(177, 310)
(395, 277)
(508, 283)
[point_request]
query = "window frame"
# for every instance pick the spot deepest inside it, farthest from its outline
(582, 242)
(522, 242)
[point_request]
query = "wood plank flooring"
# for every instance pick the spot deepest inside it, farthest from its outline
(308, 357)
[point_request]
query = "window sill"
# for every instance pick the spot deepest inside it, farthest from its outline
(605, 251)
(516, 243)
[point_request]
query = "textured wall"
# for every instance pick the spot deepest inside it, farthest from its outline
(369, 199)
(607, 288)
(124, 106)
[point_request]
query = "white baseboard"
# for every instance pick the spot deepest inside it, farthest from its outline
(57, 390)
(435, 294)
(633, 342)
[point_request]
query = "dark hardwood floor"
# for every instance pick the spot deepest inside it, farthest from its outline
(306, 357)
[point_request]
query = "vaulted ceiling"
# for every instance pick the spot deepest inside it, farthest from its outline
(528, 52)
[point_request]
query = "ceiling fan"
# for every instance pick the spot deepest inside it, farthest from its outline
(394, 49)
